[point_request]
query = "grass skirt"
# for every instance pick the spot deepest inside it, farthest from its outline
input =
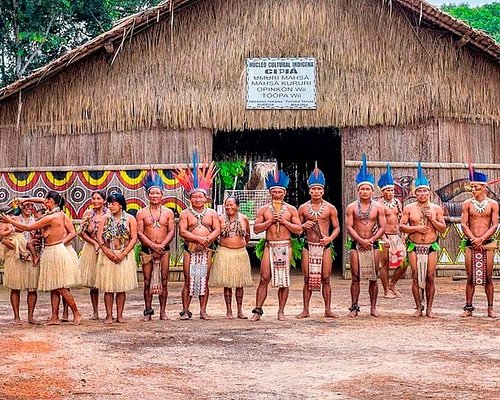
(56, 268)
(88, 266)
(16, 271)
(116, 278)
(231, 268)
(75, 263)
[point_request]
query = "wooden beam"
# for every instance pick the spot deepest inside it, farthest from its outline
(413, 164)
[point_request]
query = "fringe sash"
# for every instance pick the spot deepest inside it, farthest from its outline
(279, 257)
(422, 253)
(315, 265)
(397, 251)
(198, 267)
(366, 261)
(478, 267)
(156, 286)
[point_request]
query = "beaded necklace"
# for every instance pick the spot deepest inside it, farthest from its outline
(155, 222)
(233, 228)
(199, 216)
(364, 216)
(280, 213)
(116, 230)
(480, 206)
(313, 213)
(391, 205)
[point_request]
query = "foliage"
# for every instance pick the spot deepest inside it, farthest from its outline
(229, 170)
(247, 208)
(297, 246)
(34, 32)
(485, 18)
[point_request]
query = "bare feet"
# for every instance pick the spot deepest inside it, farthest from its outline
(108, 320)
(491, 313)
(430, 314)
(255, 317)
(390, 294)
(33, 321)
(395, 291)
(374, 312)
(466, 313)
(229, 315)
(185, 315)
(331, 314)
(242, 316)
(120, 320)
(53, 321)
(147, 318)
(164, 317)
(303, 314)
(418, 313)
(281, 316)
(204, 315)
(77, 318)
(16, 321)
(94, 316)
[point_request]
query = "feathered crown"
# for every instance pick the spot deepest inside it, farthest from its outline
(364, 176)
(478, 178)
(421, 181)
(152, 180)
(199, 179)
(386, 180)
(277, 179)
(317, 178)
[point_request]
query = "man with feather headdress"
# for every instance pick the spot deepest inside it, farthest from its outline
(422, 221)
(199, 226)
(318, 217)
(479, 223)
(279, 220)
(155, 230)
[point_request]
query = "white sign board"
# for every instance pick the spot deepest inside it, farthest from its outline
(281, 83)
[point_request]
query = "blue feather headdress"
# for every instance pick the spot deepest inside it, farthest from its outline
(386, 180)
(317, 178)
(478, 178)
(421, 181)
(152, 180)
(364, 176)
(277, 179)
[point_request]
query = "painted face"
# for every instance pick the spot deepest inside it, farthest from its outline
(27, 208)
(277, 193)
(478, 190)
(422, 194)
(316, 192)
(231, 207)
(97, 201)
(114, 207)
(155, 195)
(365, 191)
(388, 193)
(198, 199)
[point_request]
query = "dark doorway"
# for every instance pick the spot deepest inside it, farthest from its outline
(296, 152)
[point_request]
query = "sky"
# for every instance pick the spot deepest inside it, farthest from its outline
(472, 3)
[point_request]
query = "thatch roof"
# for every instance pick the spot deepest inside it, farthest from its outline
(421, 11)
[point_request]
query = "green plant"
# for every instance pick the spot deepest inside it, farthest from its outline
(229, 170)
(297, 246)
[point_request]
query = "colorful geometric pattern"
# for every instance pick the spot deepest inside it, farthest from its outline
(77, 187)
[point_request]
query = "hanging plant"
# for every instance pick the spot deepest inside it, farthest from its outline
(229, 170)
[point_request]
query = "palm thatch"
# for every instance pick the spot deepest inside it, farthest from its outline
(188, 71)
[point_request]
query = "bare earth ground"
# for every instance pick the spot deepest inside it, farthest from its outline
(395, 356)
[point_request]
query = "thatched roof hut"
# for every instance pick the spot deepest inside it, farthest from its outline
(397, 79)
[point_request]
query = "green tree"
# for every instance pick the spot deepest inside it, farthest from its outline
(485, 18)
(34, 32)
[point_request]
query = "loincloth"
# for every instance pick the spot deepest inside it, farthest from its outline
(397, 250)
(478, 264)
(315, 264)
(198, 267)
(279, 259)
(366, 261)
(422, 251)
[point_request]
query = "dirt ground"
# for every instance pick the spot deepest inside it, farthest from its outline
(395, 356)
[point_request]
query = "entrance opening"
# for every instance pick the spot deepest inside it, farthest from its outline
(296, 152)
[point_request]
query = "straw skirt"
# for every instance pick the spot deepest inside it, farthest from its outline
(88, 266)
(75, 263)
(116, 278)
(16, 271)
(56, 268)
(231, 268)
